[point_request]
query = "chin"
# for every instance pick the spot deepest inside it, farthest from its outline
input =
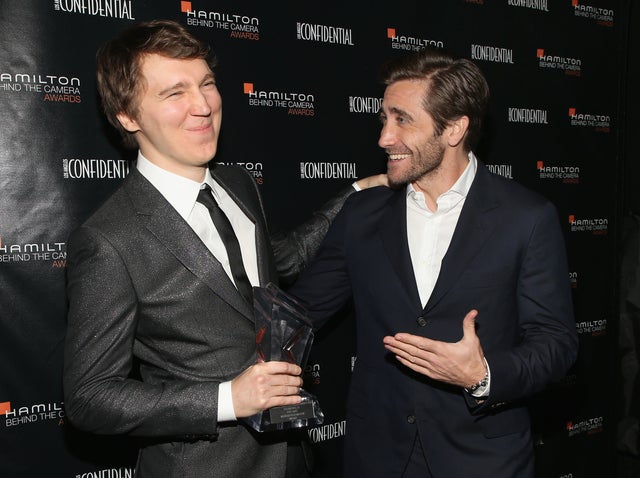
(396, 181)
(207, 154)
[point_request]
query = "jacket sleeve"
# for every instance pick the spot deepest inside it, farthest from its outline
(295, 249)
(548, 343)
(100, 392)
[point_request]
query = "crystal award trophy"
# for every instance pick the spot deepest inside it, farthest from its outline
(283, 333)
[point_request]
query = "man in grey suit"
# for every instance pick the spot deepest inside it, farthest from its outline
(152, 282)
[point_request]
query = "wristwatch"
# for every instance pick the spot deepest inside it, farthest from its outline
(481, 383)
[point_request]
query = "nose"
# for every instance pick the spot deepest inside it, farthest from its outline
(387, 136)
(200, 104)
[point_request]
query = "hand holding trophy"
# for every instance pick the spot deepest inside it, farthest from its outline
(283, 333)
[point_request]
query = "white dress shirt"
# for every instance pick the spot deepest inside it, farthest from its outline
(182, 193)
(429, 233)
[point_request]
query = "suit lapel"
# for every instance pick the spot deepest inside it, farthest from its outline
(235, 186)
(477, 220)
(393, 230)
(162, 220)
(233, 189)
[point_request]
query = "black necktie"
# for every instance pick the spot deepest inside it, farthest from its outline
(230, 242)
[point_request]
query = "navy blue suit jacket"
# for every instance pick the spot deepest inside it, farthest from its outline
(506, 259)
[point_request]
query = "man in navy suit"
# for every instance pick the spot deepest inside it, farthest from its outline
(460, 285)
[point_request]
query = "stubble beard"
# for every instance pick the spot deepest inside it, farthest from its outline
(425, 162)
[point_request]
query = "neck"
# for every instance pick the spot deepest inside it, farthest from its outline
(438, 181)
(193, 172)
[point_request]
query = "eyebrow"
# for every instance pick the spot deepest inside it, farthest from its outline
(395, 111)
(181, 84)
(207, 77)
(175, 86)
(398, 111)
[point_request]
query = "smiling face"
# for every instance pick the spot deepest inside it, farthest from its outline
(408, 134)
(179, 112)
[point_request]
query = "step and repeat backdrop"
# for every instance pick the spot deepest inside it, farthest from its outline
(301, 95)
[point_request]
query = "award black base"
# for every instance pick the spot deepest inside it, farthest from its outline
(306, 413)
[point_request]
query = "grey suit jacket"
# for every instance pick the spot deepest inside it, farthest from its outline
(144, 289)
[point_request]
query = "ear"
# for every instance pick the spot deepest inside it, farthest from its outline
(128, 123)
(457, 130)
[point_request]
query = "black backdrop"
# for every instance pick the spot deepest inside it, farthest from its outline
(300, 92)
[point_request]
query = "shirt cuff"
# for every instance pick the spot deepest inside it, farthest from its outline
(226, 413)
(483, 392)
(356, 187)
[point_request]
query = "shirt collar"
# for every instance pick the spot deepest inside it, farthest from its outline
(179, 191)
(457, 192)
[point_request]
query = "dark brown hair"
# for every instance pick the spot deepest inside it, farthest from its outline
(119, 64)
(456, 88)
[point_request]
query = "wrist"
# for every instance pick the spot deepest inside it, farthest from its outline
(480, 383)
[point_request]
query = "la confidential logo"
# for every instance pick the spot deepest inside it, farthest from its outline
(504, 170)
(571, 66)
(327, 432)
(239, 26)
(527, 115)
(324, 33)
(78, 168)
(410, 43)
(532, 4)
(328, 171)
(492, 54)
(294, 103)
(57, 88)
(365, 104)
(108, 473)
(98, 8)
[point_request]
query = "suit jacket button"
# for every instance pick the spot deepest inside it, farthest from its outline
(411, 419)
(422, 321)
